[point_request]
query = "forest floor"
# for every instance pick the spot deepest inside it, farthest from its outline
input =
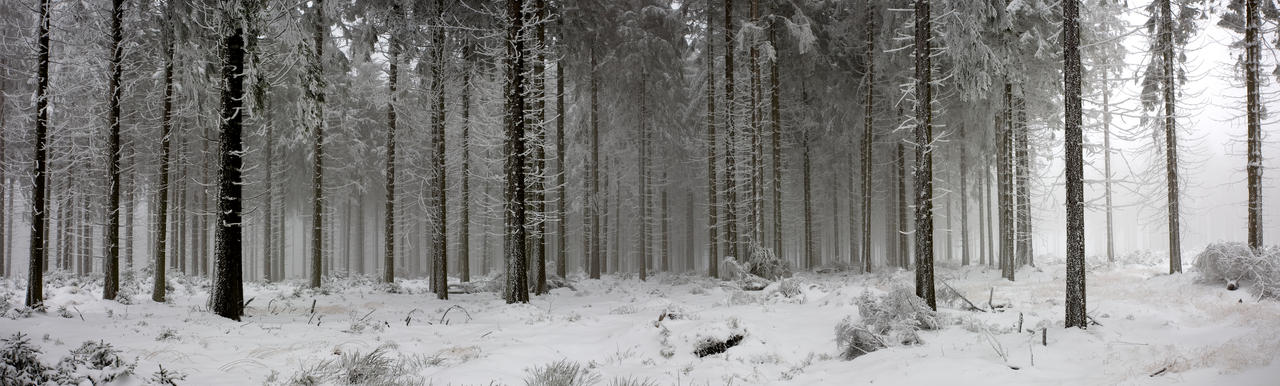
(1153, 328)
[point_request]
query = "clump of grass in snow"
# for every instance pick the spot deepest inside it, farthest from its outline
(561, 373)
(374, 368)
(629, 381)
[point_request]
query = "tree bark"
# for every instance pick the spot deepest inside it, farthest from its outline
(39, 203)
(440, 255)
(730, 164)
(389, 225)
(1106, 163)
(317, 91)
(517, 289)
(111, 262)
(924, 155)
(713, 191)
(464, 231)
(227, 299)
(1075, 307)
(1171, 133)
(868, 137)
(1254, 115)
(594, 206)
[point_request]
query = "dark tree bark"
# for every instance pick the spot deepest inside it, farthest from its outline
(808, 205)
(1023, 194)
(111, 262)
(537, 167)
(642, 263)
(317, 93)
(594, 206)
(924, 155)
(516, 232)
(464, 231)
(713, 191)
(441, 277)
(1169, 82)
(1004, 173)
(1254, 115)
(902, 226)
(730, 164)
(393, 77)
(39, 203)
(868, 136)
(227, 298)
(562, 216)
(775, 114)
(1076, 316)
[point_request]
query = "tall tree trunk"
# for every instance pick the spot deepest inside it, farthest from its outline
(538, 166)
(1075, 308)
(562, 216)
(227, 299)
(393, 77)
(730, 165)
(924, 154)
(317, 91)
(713, 191)
(111, 263)
(464, 231)
(903, 226)
(594, 261)
(1171, 134)
(1106, 163)
(868, 137)
(1254, 114)
(39, 203)
(6, 193)
(439, 229)
(757, 145)
(964, 198)
(269, 266)
(982, 209)
(517, 282)
(775, 113)
(643, 180)
(1024, 238)
(808, 206)
(664, 225)
(1004, 187)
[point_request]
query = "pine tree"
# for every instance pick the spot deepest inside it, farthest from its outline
(1253, 114)
(389, 225)
(868, 136)
(924, 154)
(713, 228)
(439, 228)
(1076, 312)
(111, 262)
(227, 298)
(316, 90)
(517, 289)
(39, 203)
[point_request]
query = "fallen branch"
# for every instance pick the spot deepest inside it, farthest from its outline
(410, 316)
(966, 300)
(1153, 375)
(446, 313)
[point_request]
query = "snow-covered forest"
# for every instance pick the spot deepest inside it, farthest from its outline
(638, 192)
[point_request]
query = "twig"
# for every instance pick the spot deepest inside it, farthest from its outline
(410, 316)
(313, 306)
(1153, 375)
(991, 295)
(78, 313)
(966, 300)
(446, 312)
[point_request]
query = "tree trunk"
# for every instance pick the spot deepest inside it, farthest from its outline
(317, 91)
(730, 165)
(439, 229)
(39, 204)
(757, 152)
(664, 225)
(464, 231)
(227, 298)
(593, 206)
(1254, 115)
(562, 216)
(643, 180)
(924, 154)
(1171, 134)
(903, 226)
(808, 207)
(775, 113)
(268, 218)
(389, 241)
(517, 282)
(1022, 176)
(1106, 163)
(1005, 175)
(964, 199)
(713, 191)
(868, 137)
(111, 263)
(537, 167)
(1076, 316)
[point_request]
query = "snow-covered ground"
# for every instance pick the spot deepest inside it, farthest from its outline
(1150, 322)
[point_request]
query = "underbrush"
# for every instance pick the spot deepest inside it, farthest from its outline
(1234, 263)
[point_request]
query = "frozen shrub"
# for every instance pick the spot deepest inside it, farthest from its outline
(166, 377)
(898, 314)
(97, 361)
(20, 364)
(376, 368)
(765, 264)
(854, 341)
(712, 346)
(561, 373)
(790, 288)
(1234, 262)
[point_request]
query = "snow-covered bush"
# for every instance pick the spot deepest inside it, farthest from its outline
(561, 373)
(376, 368)
(719, 337)
(854, 341)
(1235, 262)
(766, 264)
(628, 381)
(167, 377)
(898, 315)
(98, 362)
(20, 363)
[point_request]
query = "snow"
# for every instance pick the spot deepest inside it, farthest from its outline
(1197, 333)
